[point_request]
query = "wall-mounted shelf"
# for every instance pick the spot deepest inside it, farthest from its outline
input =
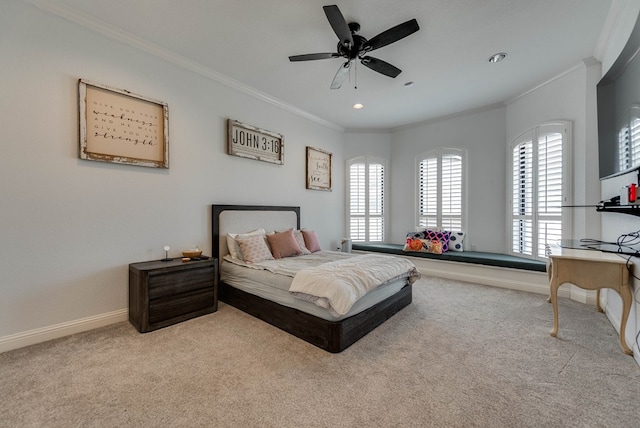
(623, 209)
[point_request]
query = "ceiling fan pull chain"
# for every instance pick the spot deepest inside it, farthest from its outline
(355, 74)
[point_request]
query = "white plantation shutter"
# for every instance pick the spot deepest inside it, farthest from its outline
(624, 149)
(451, 192)
(550, 194)
(365, 199)
(523, 198)
(538, 189)
(357, 200)
(376, 202)
(428, 193)
(440, 190)
(634, 137)
(629, 139)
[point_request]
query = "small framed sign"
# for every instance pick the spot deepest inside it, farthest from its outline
(120, 127)
(254, 143)
(318, 169)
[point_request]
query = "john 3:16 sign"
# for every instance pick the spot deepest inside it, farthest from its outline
(254, 143)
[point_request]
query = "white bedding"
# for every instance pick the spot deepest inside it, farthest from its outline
(337, 285)
(334, 280)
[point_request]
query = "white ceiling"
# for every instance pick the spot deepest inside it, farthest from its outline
(249, 41)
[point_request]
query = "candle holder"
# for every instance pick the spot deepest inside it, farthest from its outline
(166, 254)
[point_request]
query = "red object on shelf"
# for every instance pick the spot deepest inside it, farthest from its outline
(632, 193)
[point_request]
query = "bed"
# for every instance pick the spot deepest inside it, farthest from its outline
(305, 320)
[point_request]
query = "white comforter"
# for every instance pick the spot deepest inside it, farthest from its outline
(334, 280)
(337, 285)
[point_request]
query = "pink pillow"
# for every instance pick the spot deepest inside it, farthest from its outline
(311, 240)
(283, 244)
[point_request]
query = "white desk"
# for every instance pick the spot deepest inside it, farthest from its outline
(591, 270)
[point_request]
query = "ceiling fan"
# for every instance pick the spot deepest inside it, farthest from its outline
(352, 45)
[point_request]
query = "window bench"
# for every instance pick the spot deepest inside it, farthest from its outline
(475, 257)
(496, 270)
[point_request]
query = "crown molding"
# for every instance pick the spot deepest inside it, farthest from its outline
(610, 23)
(578, 66)
(115, 33)
(367, 131)
(449, 116)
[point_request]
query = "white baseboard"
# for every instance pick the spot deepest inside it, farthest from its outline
(31, 337)
(513, 279)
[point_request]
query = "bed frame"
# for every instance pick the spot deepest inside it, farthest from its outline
(332, 336)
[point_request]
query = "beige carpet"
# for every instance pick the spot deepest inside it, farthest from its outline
(460, 355)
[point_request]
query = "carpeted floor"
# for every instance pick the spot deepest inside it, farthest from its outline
(460, 355)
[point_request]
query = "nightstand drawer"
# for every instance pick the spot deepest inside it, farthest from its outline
(170, 283)
(165, 309)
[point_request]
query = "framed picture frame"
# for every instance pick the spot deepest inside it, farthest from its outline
(254, 143)
(118, 126)
(318, 169)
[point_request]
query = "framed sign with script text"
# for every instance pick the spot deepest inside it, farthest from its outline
(120, 127)
(318, 169)
(254, 143)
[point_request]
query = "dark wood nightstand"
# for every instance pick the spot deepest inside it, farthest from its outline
(162, 293)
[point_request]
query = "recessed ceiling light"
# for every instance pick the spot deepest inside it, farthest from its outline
(357, 106)
(497, 57)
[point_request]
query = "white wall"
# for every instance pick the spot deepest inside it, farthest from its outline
(482, 135)
(68, 227)
(565, 98)
(614, 225)
(376, 144)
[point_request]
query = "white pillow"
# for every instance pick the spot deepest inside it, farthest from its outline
(456, 241)
(300, 240)
(254, 248)
(234, 248)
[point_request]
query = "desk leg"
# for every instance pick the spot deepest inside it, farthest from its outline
(553, 297)
(627, 297)
(549, 275)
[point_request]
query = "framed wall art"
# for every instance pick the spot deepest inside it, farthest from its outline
(318, 169)
(120, 127)
(254, 143)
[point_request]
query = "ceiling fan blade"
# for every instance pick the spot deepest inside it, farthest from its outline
(338, 24)
(392, 35)
(341, 75)
(313, 56)
(380, 66)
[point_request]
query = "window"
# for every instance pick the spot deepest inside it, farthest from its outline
(538, 188)
(365, 199)
(441, 189)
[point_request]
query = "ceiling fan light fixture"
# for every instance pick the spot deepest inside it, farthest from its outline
(497, 57)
